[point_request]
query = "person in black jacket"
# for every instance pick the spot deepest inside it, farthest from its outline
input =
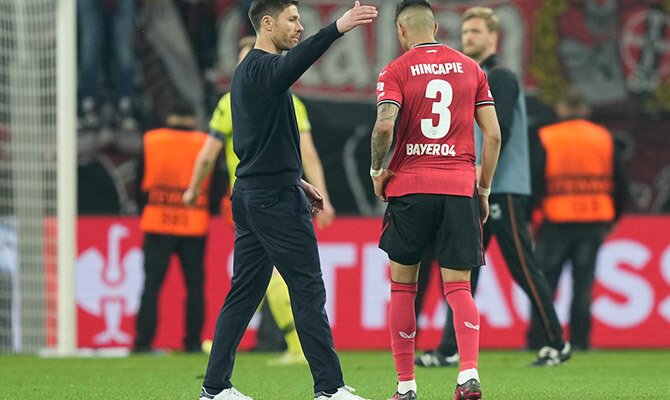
(271, 204)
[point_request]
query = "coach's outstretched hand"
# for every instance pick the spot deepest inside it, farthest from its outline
(358, 15)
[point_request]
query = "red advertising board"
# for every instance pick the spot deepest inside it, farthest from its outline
(631, 305)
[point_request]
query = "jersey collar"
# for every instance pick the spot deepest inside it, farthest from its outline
(427, 45)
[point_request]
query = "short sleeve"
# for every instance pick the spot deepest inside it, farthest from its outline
(389, 87)
(221, 124)
(301, 115)
(483, 96)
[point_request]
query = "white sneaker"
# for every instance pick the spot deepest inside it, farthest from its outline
(343, 393)
(226, 394)
(434, 358)
(550, 357)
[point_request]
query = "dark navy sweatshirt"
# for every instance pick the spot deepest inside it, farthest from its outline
(265, 134)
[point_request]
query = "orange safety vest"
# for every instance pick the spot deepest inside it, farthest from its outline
(579, 172)
(169, 156)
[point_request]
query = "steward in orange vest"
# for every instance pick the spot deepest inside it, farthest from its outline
(169, 226)
(169, 155)
(582, 189)
(579, 172)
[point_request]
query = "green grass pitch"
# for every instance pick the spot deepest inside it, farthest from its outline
(603, 375)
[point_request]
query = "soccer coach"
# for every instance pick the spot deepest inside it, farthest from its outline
(272, 205)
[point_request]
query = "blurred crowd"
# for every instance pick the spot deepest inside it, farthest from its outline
(135, 57)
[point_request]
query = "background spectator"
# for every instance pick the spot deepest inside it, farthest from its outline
(99, 21)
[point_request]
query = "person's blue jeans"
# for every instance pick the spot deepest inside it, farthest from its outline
(93, 19)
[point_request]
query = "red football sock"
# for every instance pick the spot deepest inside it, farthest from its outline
(402, 324)
(466, 321)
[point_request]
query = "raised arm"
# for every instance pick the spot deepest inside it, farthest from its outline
(382, 138)
(286, 70)
(356, 16)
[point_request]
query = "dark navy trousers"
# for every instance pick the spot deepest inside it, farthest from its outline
(273, 227)
(579, 243)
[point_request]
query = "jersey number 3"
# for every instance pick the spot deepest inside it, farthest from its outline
(441, 88)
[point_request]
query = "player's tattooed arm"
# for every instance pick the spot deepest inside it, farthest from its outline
(382, 133)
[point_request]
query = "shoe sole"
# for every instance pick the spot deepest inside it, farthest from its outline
(474, 392)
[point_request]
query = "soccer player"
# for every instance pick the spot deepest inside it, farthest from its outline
(221, 134)
(271, 204)
(436, 93)
(509, 194)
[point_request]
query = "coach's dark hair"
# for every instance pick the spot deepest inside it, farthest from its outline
(261, 8)
(407, 4)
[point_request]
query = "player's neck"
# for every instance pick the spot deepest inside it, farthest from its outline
(419, 40)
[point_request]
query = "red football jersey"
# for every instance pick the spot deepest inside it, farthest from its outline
(437, 89)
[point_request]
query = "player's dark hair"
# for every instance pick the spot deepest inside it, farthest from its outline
(261, 8)
(407, 4)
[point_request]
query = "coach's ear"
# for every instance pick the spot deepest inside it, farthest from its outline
(268, 23)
